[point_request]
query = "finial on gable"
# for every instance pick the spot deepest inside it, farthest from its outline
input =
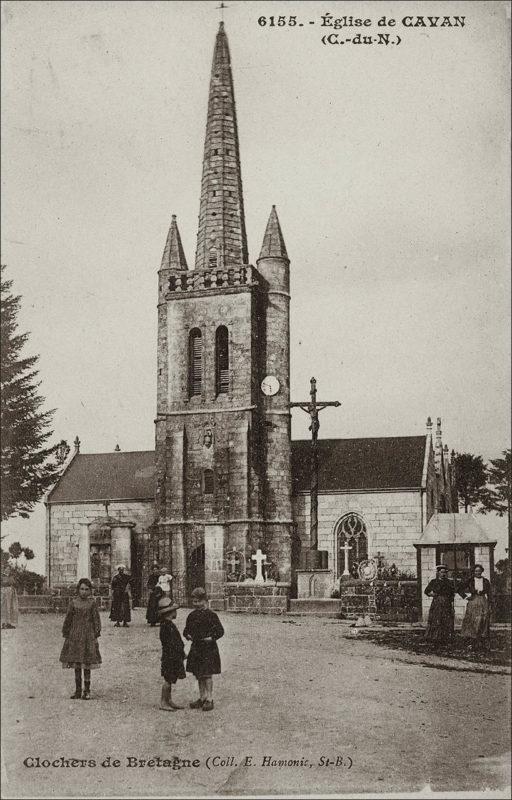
(77, 444)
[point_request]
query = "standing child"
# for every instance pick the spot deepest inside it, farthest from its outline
(81, 629)
(173, 653)
(203, 628)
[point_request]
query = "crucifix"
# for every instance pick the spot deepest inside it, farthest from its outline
(106, 504)
(312, 408)
(346, 547)
(260, 559)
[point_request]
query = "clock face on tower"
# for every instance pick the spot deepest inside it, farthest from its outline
(270, 385)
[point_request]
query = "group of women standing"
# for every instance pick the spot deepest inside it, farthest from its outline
(441, 618)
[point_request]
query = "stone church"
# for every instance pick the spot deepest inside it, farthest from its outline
(224, 499)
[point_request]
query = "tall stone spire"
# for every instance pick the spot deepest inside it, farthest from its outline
(174, 256)
(221, 238)
(273, 242)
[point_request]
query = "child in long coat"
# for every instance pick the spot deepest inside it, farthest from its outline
(203, 628)
(81, 629)
(173, 653)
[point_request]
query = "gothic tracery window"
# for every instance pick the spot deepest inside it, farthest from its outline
(351, 532)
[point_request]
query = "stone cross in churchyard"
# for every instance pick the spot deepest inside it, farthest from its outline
(260, 559)
(313, 408)
(346, 547)
(233, 561)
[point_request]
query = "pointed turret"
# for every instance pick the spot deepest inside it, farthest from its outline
(273, 242)
(174, 256)
(221, 238)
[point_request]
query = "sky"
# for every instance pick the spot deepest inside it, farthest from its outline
(388, 166)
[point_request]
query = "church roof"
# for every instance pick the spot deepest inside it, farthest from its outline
(452, 529)
(392, 462)
(107, 476)
(344, 464)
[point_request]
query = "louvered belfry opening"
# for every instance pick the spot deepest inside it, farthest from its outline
(208, 482)
(222, 360)
(195, 361)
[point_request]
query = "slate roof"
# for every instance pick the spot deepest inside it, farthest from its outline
(349, 464)
(107, 476)
(344, 465)
(454, 528)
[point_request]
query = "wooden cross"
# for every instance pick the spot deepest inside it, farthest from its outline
(260, 559)
(313, 408)
(346, 547)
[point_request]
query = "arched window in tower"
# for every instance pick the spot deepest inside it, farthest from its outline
(222, 360)
(351, 542)
(195, 362)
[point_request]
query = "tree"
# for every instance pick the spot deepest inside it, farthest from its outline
(16, 551)
(27, 463)
(470, 479)
(499, 476)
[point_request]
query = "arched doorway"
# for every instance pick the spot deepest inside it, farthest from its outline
(351, 533)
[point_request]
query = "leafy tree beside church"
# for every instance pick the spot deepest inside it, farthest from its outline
(471, 479)
(27, 463)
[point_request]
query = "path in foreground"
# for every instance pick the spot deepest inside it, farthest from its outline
(290, 690)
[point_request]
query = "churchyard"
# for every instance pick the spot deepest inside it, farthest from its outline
(303, 706)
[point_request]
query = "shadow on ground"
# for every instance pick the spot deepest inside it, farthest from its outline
(413, 641)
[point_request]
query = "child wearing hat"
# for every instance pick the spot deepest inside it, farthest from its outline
(203, 628)
(173, 652)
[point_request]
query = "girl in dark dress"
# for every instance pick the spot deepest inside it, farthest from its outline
(173, 653)
(81, 629)
(120, 608)
(476, 625)
(441, 619)
(155, 594)
(203, 628)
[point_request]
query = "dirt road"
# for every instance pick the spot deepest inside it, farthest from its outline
(350, 716)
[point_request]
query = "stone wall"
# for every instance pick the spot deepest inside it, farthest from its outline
(256, 598)
(393, 523)
(64, 529)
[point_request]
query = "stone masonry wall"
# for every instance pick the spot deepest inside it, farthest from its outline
(393, 523)
(64, 531)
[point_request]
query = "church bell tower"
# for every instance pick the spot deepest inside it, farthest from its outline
(223, 419)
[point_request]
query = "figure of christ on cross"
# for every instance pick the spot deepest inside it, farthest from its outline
(313, 408)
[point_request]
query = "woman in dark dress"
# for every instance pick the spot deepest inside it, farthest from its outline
(173, 653)
(441, 618)
(476, 625)
(154, 596)
(203, 628)
(81, 629)
(120, 608)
